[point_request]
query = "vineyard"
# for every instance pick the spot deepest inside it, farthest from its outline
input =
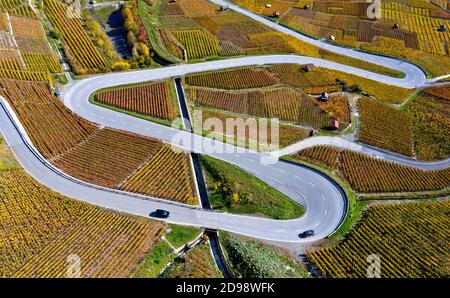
(40, 229)
(283, 103)
(371, 175)
(107, 157)
(416, 36)
(52, 128)
(25, 52)
(439, 91)
(409, 238)
(101, 156)
(27, 27)
(166, 175)
(203, 30)
(313, 82)
(80, 50)
(386, 127)
(287, 134)
(242, 78)
(430, 111)
(338, 107)
(17, 7)
(382, 92)
(154, 99)
(198, 44)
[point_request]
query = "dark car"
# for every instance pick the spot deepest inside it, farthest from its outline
(160, 213)
(306, 234)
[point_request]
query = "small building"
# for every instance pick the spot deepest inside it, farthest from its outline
(334, 125)
(324, 96)
(268, 5)
(442, 28)
(276, 14)
(332, 37)
(224, 8)
(396, 26)
(306, 6)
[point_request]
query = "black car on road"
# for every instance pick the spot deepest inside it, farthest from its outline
(160, 213)
(306, 234)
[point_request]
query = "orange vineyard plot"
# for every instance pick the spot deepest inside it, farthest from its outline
(50, 125)
(243, 78)
(82, 53)
(411, 240)
(107, 157)
(385, 127)
(167, 175)
(288, 134)
(40, 229)
(366, 174)
(284, 103)
(153, 99)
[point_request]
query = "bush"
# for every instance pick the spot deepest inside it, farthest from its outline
(120, 66)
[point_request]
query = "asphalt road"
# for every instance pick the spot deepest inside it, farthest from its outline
(414, 75)
(325, 204)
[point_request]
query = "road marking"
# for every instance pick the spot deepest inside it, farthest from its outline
(282, 171)
(323, 197)
(312, 184)
(326, 211)
(297, 177)
(315, 225)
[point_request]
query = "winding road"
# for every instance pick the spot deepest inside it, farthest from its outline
(325, 203)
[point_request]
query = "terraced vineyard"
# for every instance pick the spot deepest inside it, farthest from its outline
(283, 103)
(413, 28)
(387, 93)
(409, 238)
(385, 127)
(41, 229)
(338, 107)
(101, 156)
(154, 99)
(52, 128)
(371, 175)
(82, 53)
(176, 26)
(287, 134)
(17, 7)
(314, 82)
(25, 52)
(243, 78)
(107, 157)
(198, 44)
(166, 175)
(430, 111)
